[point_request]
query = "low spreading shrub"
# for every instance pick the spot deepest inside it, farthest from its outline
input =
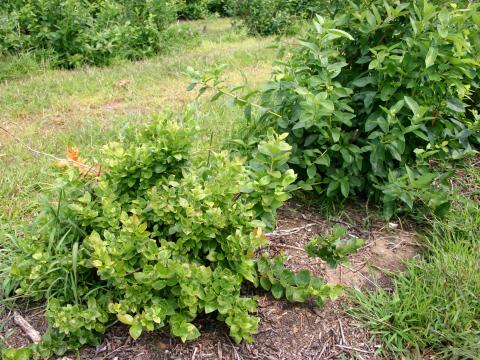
(156, 236)
(85, 31)
(374, 98)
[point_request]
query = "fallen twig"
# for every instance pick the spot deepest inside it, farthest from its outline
(287, 232)
(359, 273)
(341, 332)
(28, 329)
(354, 349)
(289, 247)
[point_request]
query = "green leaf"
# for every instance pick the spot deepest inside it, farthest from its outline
(302, 278)
(455, 105)
(135, 330)
(336, 133)
(192, 86)
(294, 294)
(364, 81)
(332, 187)
(185, 331)
(265, 283)
(277, 291)
(431, 57)
(125, 319)
(324, 159)
(412, 104)
(340, 33)
(345, 187)
(16, 354)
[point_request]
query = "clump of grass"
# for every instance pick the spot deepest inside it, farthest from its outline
(435, 307)
(14, 67)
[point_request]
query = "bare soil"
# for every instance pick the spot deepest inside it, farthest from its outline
(287, 331)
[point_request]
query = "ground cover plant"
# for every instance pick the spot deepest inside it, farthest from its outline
(373, 97)
(85, 32)
(156, 235)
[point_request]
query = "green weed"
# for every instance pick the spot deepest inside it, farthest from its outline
(435, 306)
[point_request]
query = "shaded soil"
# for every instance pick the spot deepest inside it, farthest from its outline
(286, 331)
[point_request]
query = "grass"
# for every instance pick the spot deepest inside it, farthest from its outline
(435, 307)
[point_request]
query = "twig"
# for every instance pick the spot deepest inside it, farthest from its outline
(28, 329)
(354, 349)
(38, 152)
(287, 232)
(237, 356)
(220, 353)
(236, 97)
(289, 247)
(194, 353)
(114, 351)
(341, 331)
(397, 245)
(323, 350)
(363, 276)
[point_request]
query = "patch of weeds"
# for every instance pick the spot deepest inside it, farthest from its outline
(435, 305)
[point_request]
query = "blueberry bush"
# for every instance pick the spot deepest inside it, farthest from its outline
(156, 236)
(374, 100)
(75, 32)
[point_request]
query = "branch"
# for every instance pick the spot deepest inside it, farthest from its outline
(28, 329)
(286, 232)
(236, 97)
(89, 168)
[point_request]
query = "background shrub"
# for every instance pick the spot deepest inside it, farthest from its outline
(375, 100)
(85, 31)
(372, 97)
(266, 17)
(193, 9)
(220, 7)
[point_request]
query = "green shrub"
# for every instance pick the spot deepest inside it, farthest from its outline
(373, 98)
(85, 31)
(193, 9)
(160, 236)
(219, 7)
(267, 17)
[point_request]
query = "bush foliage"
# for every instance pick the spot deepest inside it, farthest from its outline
(159, 236)
(193, 9)
(267, 17)
(86, 31)
(374, 97)
(200, 9)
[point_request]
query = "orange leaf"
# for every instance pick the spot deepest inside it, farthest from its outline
(72, 154)
(75, 160)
